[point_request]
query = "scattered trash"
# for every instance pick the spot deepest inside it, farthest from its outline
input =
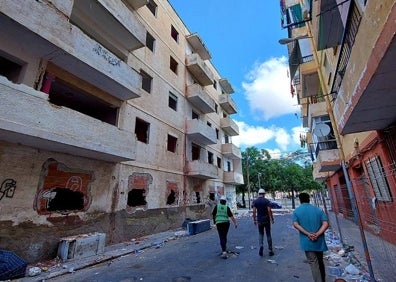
(271, 261)
(239, 247)
(278, 248)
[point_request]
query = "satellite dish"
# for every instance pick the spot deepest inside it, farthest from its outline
(321, 130)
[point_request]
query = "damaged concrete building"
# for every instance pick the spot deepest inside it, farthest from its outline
(112, 119)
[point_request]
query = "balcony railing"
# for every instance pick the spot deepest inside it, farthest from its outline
(348, 40)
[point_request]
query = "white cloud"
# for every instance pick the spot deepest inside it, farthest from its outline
(257, 135)
(267, 89)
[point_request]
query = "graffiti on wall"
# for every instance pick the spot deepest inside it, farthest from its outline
(7, 188)
(62, 189)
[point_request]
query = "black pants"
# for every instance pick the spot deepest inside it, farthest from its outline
(267, 226)
(222, 229)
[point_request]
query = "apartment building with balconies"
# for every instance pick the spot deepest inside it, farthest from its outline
(113, 119)
(348, 101)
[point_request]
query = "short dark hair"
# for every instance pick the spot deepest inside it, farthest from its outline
(304, 197)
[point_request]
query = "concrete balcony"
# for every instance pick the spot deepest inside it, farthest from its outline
(227, 103)
(226, 86)
(27, 118)
(317, 175)
(328, 160)
(232, 177)
(111, 24)
(55, 39)
(229, 126)
(316, 110)
(201, 133)
(198, 46)
(231, 151)
(199, 69)
(203, 170)
(136, 4)
(310, 84)
(200, 99)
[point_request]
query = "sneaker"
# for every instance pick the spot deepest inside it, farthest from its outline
(261, 251)
(224, 255)
(271, 253)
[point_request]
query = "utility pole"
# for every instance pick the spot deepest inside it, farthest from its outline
(248, 182)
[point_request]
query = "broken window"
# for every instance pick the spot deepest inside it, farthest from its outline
(172, 142)
(142, 130)
(210, 157)
(194, 115)
(152, 6)
(10, 67)
(195, 152)
(172, 102)
(64, 199)
(146, 81)
(150, 41)
(173, 64)
(171, 198)
(136, 197)
(174, 33)
(228, 166)
(198, 197)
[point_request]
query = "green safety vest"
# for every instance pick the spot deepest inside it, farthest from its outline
(221, 214)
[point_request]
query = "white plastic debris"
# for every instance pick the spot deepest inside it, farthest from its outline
(34, 271)
(351, 269)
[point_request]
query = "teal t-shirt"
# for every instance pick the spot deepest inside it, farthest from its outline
(310, 218)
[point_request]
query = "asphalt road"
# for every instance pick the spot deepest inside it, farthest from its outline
(197, 258)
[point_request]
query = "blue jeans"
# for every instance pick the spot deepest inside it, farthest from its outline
(267, 226)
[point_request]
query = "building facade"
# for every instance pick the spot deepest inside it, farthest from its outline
(341, 57)
(113, 119)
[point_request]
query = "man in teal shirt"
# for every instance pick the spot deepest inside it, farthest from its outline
(311, 222)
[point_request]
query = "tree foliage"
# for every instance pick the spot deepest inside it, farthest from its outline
(290, 174)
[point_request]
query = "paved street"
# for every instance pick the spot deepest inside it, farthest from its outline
(196, 258)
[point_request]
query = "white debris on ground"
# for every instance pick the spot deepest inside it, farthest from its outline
(341, 262)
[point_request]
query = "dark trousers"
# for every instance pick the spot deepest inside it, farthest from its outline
(267, 226)
(315, 260)
(222, 229)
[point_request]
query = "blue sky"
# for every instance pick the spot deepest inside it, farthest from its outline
(242, 37)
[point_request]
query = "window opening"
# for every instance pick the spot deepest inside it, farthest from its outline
(228, 166)
(226, 139)
(63, 94)
(195, 152)
(146, 81)
(217, 133)
(216, 108)
(10, 68)
(173, 65)
(210, 158)
(172, 102)
(174, 34)
(198, 196)
(150, 41)
(212, 196)
(194, 115)
(142, 130)
(136, 197)
(214, 84)
(378, 181)
(218, 162)
(172, 142)
(66, 200)
(209, 124)
(171, 198)
(152, 6)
